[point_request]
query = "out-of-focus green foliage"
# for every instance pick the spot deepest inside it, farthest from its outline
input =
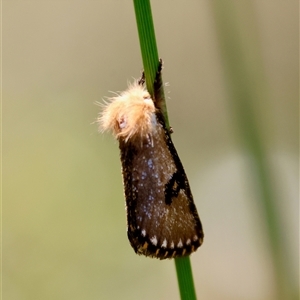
(246, 84)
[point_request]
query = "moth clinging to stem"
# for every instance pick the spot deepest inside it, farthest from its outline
(162, 219)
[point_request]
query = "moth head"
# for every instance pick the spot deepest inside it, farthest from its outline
(129, 115)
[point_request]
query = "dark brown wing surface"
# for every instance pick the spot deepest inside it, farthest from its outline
(162, 218)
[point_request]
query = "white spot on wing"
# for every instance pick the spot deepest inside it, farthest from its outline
(172, 245)
(154, 240)
(143, 232)
(164, 244)
(150, 163)
(188, 242)
(195, 238)
(179, 245)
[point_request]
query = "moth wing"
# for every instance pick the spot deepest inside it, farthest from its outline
(162, 218)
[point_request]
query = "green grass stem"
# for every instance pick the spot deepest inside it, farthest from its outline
(148, 46)
(150, 61)
(185, 278)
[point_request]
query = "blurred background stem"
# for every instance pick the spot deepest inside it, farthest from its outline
(246, 85)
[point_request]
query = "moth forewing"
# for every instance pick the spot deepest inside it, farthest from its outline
(161, 216)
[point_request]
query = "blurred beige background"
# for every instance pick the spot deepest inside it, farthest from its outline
(64, 226)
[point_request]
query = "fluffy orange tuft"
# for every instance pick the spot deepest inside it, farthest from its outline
(130, 114)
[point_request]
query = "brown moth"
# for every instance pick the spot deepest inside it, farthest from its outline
(162, 219)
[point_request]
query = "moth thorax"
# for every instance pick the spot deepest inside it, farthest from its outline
(136, 120)
(130, 115)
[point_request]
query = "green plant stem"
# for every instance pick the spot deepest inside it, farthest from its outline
(148, 47)
(150, 61)
(185, 278)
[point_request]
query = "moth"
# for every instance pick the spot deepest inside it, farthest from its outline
(162, 219)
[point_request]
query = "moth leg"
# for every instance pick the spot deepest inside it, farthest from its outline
(159, 98)
(158, 82)
(141, 81)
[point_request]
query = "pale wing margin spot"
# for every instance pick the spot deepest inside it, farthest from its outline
(179, 245)
(154, 240)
